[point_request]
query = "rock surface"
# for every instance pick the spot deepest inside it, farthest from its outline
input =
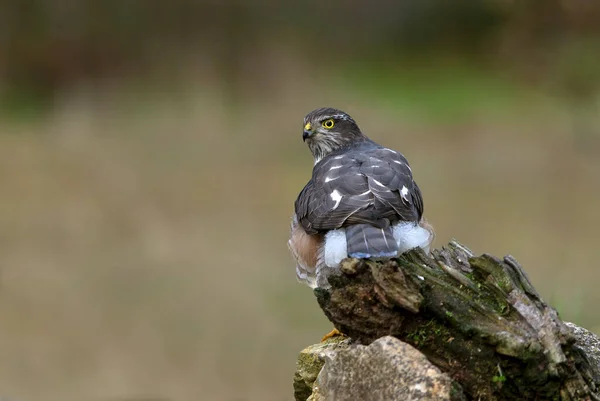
(309, 364)
(388, 369)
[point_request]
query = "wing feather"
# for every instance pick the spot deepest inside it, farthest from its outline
(373, 186)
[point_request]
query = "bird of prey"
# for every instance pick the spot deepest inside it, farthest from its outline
(361, 201)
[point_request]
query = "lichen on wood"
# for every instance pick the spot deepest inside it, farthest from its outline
(478, 318)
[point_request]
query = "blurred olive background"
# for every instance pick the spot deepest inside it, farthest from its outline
(151, 152)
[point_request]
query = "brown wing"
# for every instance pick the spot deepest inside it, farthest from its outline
(370, 185)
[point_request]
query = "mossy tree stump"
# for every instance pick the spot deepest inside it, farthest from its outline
(479, 319)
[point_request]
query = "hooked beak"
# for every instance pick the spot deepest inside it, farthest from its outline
(307, 132)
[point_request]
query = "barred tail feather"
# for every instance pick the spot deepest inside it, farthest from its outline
(367, 241)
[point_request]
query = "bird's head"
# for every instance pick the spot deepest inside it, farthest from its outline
(327, 129)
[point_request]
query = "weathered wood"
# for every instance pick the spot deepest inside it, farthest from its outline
(479, 319)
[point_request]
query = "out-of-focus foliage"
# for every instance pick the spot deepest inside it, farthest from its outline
(46, 46)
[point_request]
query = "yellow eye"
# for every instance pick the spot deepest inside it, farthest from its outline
(328, 124)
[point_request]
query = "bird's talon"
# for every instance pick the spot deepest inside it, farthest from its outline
(331, 334)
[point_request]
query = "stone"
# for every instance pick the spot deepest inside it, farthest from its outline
(388, 369)
(309, 364)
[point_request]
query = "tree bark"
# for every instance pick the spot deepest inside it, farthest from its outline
(479, 319)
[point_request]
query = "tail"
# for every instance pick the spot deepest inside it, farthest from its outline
(367, 241)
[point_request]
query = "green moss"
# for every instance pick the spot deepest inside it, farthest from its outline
(429, 334)
(456, 392)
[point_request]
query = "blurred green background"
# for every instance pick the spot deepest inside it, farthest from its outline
(151, 152)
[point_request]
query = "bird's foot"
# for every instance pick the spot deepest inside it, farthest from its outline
(331, 334)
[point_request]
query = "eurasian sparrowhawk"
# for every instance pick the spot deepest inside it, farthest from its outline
(361, 201)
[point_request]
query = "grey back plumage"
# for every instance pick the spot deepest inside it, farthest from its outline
(364, 188)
